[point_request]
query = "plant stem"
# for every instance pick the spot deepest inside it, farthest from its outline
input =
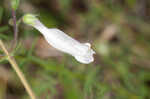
(14, 28)
(18, 71)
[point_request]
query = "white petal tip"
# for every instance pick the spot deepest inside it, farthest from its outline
(84, 60)
(88, 44)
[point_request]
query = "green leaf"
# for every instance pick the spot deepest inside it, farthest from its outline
(90, 80)
(3, 58)
(1, 13)
(2, 36)
(4, 28)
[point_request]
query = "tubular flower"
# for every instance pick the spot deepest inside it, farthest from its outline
(61, 41)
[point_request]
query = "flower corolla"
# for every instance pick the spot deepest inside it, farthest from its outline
(61, 41)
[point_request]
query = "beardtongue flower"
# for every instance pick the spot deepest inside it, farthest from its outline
(61, 41)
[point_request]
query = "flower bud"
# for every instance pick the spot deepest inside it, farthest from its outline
(14, 4)
(29, 19)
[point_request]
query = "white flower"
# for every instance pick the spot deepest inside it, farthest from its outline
(61, 41)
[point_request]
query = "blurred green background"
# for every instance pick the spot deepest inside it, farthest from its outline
(119, 31)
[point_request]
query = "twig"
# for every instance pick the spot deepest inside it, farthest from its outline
(18, 71)
(14, 28)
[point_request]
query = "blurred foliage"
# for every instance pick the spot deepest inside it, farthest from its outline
(118, 30)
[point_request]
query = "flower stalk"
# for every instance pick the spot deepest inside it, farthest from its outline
(18, 71)
(14, 5)
(15, 28)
